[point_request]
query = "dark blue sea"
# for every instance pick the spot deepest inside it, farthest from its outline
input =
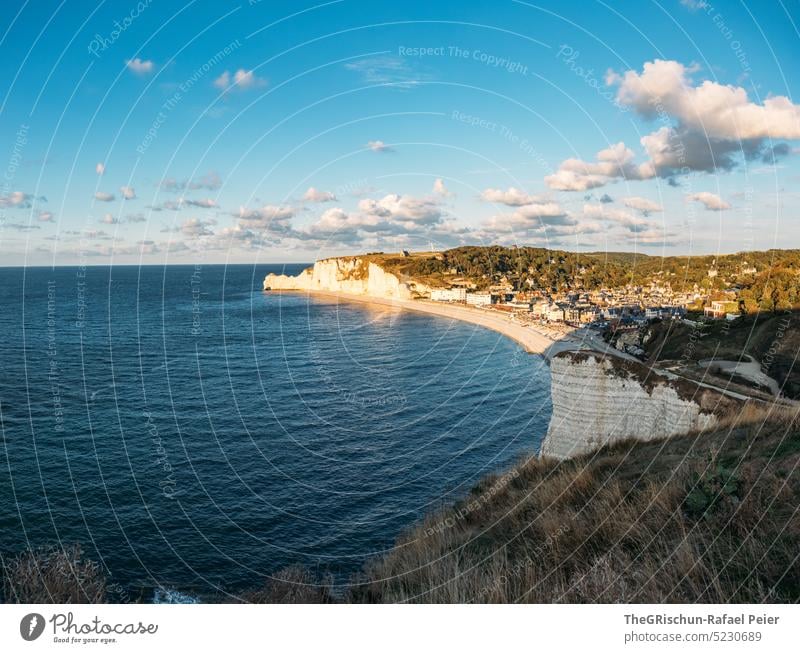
(195, 433)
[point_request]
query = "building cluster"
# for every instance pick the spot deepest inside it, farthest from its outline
(626, 306)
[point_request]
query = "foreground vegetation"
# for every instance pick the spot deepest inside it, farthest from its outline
(710, 517)
(701, 518)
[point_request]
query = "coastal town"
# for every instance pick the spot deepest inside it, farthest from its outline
(696, 317)
(618, 312)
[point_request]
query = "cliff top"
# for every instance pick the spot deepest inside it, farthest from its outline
(649, 378)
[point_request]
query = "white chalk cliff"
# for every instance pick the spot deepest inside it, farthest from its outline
(352, 274)
(598, 400)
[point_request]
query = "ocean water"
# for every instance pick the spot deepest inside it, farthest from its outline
(195, 434)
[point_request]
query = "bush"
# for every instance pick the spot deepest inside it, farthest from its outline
(291, 585)
(53, 575)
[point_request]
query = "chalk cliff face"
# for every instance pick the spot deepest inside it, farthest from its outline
(353, 274)
(599, 400)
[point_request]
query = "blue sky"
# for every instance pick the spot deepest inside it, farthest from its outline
(285, 131)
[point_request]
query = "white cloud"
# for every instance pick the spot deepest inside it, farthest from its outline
(709, 126)
(108, 218)
(100, 168)
(716, 110)
(388, 221)
(405, 209)
(242, 79)
(714, 125)
(16, 200)
(379, 146)
(511, 197)
(45, 216)
(127, 192)
(140, 66)
(642, 204)
(268, 218)
(206, 203)
(614, 162)
(196, 227)
(104, 197)
(440, 189)
(624, 218)
(314, 195)
(711, 201)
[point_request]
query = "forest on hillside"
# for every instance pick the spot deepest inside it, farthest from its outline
(765, 280)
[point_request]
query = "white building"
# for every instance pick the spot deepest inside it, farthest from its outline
(479, 299)
(555, 313)
(448, 294)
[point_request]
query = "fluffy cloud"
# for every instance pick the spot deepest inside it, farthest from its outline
(379, 146)
(714, 124)
(440, 189)
(711, 201)
(140, 66)
(242, 79)
(705, 127)
(405, 209)
(196, 227)
(109, 218)
(719, 111)
(625, 219)
(100, 168)
(391, 220)
(127, 192)
(206, 203)
(45, 216)
(527, 220)
(642, 204)
(336, 225)
(16, 200)
(276, 219)
(104, 197)
(314, 195)
(614, 162)
(511, 197)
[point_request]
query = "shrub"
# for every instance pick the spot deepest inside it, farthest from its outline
(53, 575)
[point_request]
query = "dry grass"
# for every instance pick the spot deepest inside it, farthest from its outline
(703, 518)
(53, 576)
(290, 585)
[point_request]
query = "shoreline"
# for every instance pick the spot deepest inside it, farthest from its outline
(532, 340)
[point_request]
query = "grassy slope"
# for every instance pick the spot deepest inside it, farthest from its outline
(708, 518)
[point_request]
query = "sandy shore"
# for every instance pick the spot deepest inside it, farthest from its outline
(534, 339)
